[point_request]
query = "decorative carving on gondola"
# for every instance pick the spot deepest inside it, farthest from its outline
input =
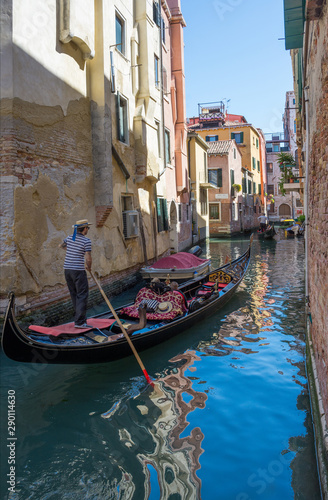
(220, 277)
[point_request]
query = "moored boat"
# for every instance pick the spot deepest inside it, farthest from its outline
(269, 232)
(103, 341)
(180, 266)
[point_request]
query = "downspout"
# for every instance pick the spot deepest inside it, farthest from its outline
(306, 194)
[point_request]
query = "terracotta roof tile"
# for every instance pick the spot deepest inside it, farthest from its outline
(219, 147)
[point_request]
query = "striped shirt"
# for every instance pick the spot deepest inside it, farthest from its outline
(75, 252)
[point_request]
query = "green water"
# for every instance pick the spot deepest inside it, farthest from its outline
(229, 417)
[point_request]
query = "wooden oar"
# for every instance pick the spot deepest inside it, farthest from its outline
(123, 330)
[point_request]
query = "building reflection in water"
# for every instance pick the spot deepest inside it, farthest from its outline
(175, 458)
(151, 426)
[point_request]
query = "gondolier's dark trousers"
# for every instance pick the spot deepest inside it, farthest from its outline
(78, 286)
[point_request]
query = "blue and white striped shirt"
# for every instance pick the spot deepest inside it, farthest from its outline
(75, 252)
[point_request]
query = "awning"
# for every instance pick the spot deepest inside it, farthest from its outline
(294, 15)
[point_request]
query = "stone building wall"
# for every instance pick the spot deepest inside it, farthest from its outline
(317, 80)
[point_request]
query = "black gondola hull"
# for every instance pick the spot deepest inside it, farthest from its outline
(18, 346)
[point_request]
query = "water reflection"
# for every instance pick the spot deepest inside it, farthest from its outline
(169, 462)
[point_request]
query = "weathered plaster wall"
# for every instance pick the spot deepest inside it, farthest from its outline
(317, 79)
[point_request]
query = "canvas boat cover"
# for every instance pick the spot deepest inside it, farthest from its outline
(180, 260)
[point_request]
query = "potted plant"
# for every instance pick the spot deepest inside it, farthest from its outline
(286, 163)
(237, 187)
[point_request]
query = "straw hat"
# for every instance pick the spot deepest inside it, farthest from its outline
(82, 223)
(164, 307)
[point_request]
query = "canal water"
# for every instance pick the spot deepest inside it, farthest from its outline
(229, 417)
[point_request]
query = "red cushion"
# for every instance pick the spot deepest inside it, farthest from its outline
(69, 328)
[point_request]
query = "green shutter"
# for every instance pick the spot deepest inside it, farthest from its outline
(232, 177)
(165, 215)
(254, 187)
(220, 177)
(159, 215)
(232, 135)
(259, 188)
(243, 182)
(241, 137)
(207, 138)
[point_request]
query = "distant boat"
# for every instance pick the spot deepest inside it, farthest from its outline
(179, 266)
(268, 234)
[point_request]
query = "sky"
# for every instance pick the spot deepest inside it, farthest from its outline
(233, 51)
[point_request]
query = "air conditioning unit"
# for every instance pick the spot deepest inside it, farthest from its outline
(130, 224)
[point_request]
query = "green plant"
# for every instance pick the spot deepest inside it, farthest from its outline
(237, 187)
(286, 163)
(301, 218)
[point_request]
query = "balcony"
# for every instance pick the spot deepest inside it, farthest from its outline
(295, 185)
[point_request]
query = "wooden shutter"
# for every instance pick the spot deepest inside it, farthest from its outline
(232, 135)
(165, 215)
(118, 103)
(241, 137)
(159, 215)
(220, 177)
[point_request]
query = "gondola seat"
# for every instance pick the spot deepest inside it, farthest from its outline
(176, 301)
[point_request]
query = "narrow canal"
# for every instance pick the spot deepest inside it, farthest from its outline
(229, 417)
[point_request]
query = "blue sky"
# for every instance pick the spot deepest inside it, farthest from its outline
(232, 52)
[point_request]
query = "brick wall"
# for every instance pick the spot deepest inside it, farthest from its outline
(318, 201)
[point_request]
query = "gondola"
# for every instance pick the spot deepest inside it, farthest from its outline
(268, 234)
(104, 341)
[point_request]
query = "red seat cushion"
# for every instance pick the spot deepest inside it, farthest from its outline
(69, 328)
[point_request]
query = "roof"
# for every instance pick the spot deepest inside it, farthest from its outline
(235, 118)
(219, 147)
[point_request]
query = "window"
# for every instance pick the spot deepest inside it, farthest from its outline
(180, 212)
(120, 33)
(232, 181)
(249, 186)
(294, 126)
(257, 144)
(127, 202)
(239, 137)
(258, 165)
(163, 30)
(157, 13)
(122, 118)
(162, 216)
(234, 153)
(254, 162)
(203, 201)
(270, 189)
(215, 211)
(158, 135)
(156, 66)
(254, 187)
(187, 213)
(260, 189)
(276, 148)
(167, 147)
(243, 185)
(212, 138)
(269, 167)
(293, 101)
(215, 177)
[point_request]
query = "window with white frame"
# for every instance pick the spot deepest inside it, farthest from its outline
(203, 201)
(215, 211)
(156, 67)
(158, 133)
(122, 119)
(215, 176)
(120, 33)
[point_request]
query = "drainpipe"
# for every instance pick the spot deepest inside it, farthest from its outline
(306, 193)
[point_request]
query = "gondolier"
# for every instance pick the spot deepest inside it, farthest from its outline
(78, 259)
(263, 222)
